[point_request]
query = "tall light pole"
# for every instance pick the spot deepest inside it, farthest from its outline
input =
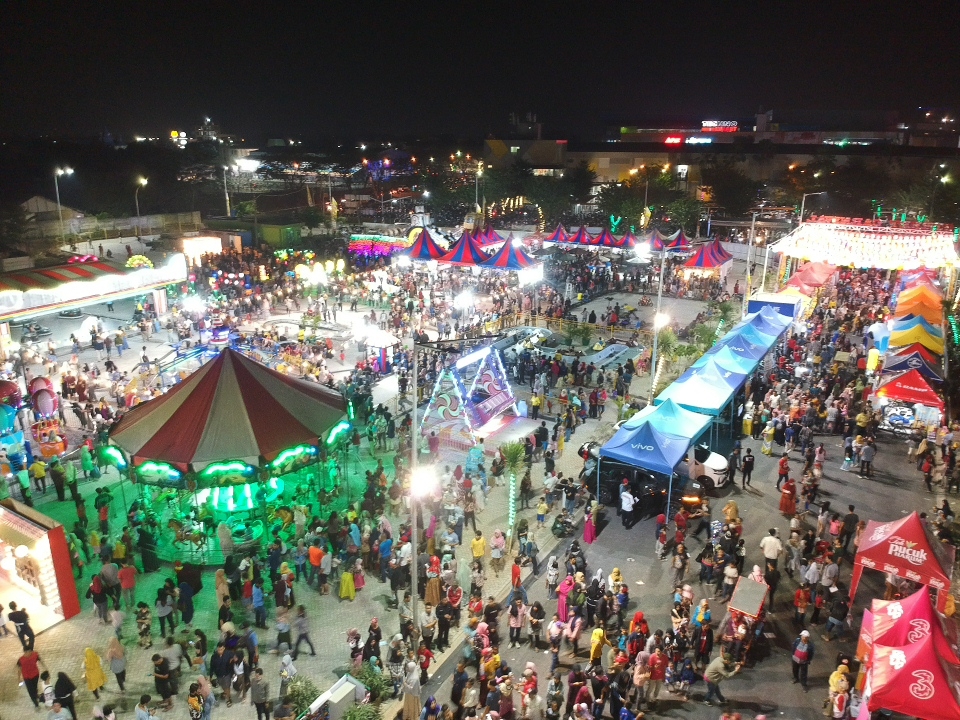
(753, 237)
(226, 194)
(136, 199)
(56, 184)
(658, 316)
(476, 186)
(803, 202)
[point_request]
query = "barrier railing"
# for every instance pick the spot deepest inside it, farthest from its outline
(562, 325)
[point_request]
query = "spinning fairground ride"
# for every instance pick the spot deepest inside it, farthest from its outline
(225, 458)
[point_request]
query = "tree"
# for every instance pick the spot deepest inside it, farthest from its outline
(731, 188)
(580, 181)
(245, 208)
(311, 218)
(13, 233)
(684, 212)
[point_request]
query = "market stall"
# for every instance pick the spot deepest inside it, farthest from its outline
(908, 548)
(709, 260)
(914, 680)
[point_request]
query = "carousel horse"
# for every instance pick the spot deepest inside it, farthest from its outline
(187, 534)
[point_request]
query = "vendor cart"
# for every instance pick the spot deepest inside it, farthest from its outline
(746, 608)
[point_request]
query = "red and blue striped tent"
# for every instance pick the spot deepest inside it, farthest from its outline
(628, 241)
(424, 248)
(558, 236)
(465, 253)
(678, 242)
(656, 240)
(509, 257)
(490, 237)
(710, 255)
(582, 237)
(605, 239)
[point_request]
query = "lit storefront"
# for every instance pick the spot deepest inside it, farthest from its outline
(35, 570)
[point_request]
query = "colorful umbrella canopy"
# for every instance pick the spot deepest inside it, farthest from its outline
(465, 253)
(508, 257)
(232, 408)
(557, 236)
(424, 248)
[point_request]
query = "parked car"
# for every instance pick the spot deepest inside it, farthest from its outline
(708, 468)
(72, 313)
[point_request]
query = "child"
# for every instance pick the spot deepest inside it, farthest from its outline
(688, 676)
(542, 509)
(662, 543)
(425, 656)
(143, 625)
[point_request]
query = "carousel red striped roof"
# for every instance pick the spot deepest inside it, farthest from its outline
(557, 236)
(51, 277)
(582, 237)
(605, 239)
(710, 255)
(232, 408)
(424, 248)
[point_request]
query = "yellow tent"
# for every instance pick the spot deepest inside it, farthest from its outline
(925, 292)
(917, 335)
(934, 316)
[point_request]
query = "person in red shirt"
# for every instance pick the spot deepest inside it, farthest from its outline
(518, 588)
(783, 470)
(425, 657)
(658, 672)
(128, 583)
(28, 670)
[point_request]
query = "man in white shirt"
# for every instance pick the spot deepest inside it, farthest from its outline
(771, 547)
(627, 502)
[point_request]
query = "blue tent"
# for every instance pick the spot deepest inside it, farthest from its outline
(672, 419)
(747, 341)
(702, 393)
(768, 322)
(646, 447)
(901, 325)
(728, 360)
(713, 372)
(910, 361)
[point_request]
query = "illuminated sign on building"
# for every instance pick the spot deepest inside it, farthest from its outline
(673, 140)
(718, 125)
(699, 141)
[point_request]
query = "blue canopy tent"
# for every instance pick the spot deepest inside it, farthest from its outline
(715, 373)
(901, 325)
(747, 342)
(728, 360)
(706, 393)
(646, 447)
(766, 320)
(910, 361)
(672, 419)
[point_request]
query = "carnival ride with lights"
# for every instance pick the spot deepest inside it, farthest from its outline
(469, 393)
(224, 457)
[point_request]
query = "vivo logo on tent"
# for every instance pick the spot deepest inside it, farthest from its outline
(642, 448)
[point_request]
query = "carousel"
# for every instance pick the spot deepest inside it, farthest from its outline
(224, 458)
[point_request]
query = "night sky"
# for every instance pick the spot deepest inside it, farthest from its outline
(325, 69)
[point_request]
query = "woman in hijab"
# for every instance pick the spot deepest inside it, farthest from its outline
(222, 584)
(63, 691)
(355, 536)
(348, 589)
(594, 593)
(597, 640)
(395, 659)
(431, 709)
(434, 586)
(589, 526)
(186, 602)
(118, 661)
(615, 581)
(287, 673)
(411, 692)
(563, 590)
(497, 548)
(93, 671)
(757, 574)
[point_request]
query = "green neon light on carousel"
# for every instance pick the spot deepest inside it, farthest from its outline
(227, 468)
(293, 454)
(113, 455)
(159, 468)
(341, 428)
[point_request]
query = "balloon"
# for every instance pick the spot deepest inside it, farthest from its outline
(45, 402)
(10, 393)
(8, 416)
(40, 383)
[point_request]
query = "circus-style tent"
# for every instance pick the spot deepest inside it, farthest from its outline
(582, 237)
(424, 248)
(490, 237)
(508, 257)
(605, 239)
(678, 242)
(557, 236)
(628, 241)
(232, 408)
(465, 253)
(710, 258)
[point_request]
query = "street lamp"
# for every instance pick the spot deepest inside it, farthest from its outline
(476, 187)
(56, 184)
(423, 480)
(226, 194)
(803, 201)
(136, 199)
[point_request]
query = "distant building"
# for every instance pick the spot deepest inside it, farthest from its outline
(39, 208)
